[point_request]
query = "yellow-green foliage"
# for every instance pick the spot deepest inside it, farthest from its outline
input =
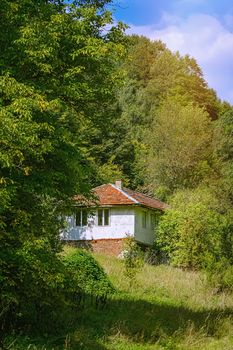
(179, 146)
(192, 231)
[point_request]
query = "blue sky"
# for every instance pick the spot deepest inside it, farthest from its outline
(201, 28)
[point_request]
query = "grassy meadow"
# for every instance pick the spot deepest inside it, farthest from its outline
(161, 308)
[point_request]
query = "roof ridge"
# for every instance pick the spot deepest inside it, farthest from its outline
(125, 194)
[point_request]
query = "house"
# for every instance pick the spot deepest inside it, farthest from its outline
(119, 212)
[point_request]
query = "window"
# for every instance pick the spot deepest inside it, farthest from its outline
(144, 219)
(106, 217)
(78, 217)
(103, 217)
(81, 217)
(100, 217)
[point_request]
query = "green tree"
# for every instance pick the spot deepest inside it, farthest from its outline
(58, 75)
(223, 146)
(178, 146)
(153, 76)
(174, 75)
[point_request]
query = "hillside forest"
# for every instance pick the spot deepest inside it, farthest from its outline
(82, 104)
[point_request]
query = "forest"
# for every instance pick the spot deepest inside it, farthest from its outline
(82, 104)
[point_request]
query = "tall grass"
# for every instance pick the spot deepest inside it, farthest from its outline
(166, 308)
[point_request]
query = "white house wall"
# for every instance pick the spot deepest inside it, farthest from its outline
(144, 235)
(121, 224)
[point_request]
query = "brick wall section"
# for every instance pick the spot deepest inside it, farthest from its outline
(106, 246)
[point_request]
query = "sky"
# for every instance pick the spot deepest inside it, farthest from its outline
(201, 28)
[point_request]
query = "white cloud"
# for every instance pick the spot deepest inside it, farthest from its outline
(202, 37)
(229, 20)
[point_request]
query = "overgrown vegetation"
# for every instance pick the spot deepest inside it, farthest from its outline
(133, 259)
(68, 284)
(166, 308)
(193, 231)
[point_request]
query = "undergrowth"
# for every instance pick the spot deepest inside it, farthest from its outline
(167, 308)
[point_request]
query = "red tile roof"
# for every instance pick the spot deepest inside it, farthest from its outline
(109, 194)
(145, 200)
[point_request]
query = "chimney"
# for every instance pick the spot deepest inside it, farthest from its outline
(118, 184)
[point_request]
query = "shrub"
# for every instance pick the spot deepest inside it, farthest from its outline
(86, 275)
(50, 288)
(32, 295)
(133, 258)
(193, 230)
(220, 274)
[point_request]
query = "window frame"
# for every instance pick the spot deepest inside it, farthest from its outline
(81, 211)
(102, 222)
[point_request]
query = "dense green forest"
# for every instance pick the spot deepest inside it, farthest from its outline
(81, 104)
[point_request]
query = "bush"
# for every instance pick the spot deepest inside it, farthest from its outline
(50, 288)
(133, 258)
(86, 275)
(220, 275)
(192, 232)
(32, 294)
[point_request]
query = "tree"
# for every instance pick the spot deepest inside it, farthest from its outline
(58, 77)
(154, 75)
(174, 75)
(223, 146)
(178, 146)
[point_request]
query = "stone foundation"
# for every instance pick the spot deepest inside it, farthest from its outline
(106, 246)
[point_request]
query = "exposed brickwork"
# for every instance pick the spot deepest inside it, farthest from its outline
(107, 246)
